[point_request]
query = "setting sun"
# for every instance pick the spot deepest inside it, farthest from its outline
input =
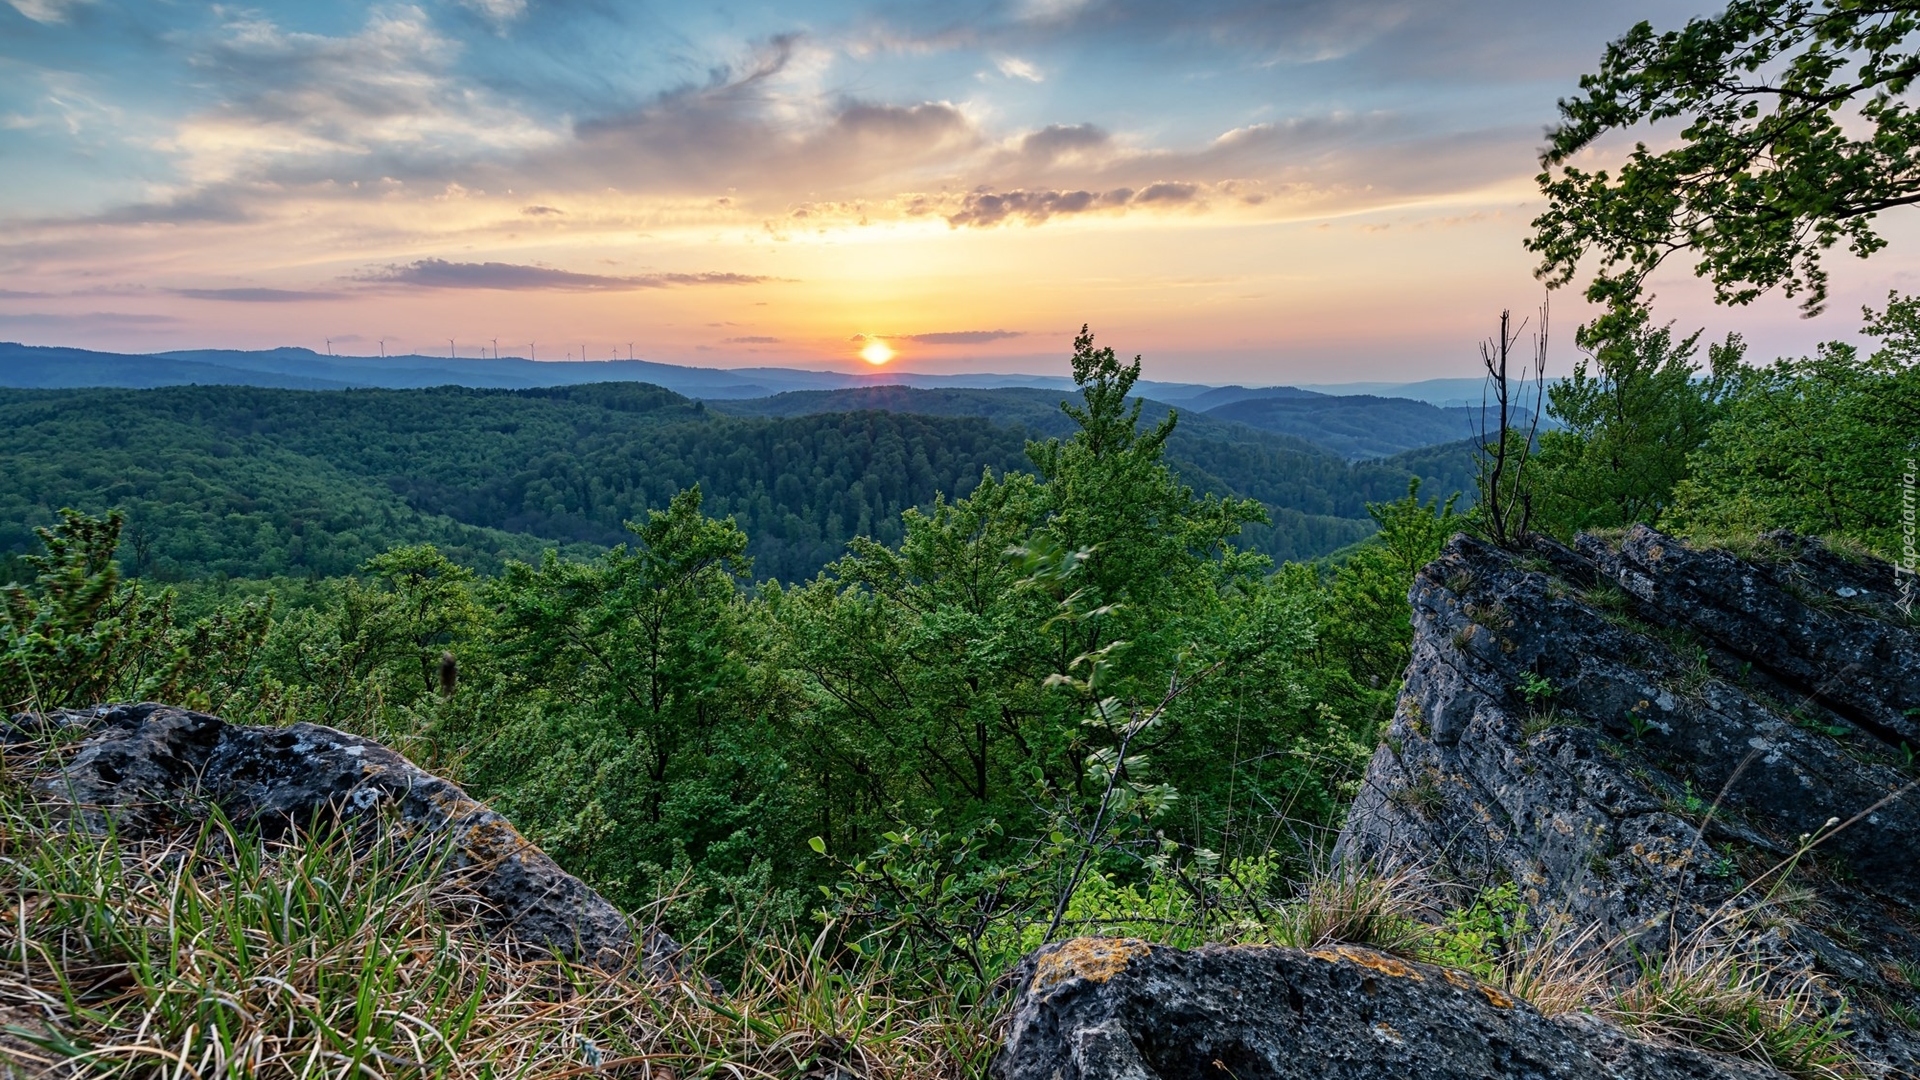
(876, 352)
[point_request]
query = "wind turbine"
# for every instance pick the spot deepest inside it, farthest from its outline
(383, 347)
(450, 355)
(530, 355)
(496, 348)
(329, 346)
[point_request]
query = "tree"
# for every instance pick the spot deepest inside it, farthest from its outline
(1815, 444)
(1512, 398)
(76, 635)
(1795, 137)
(632, 738)
(1148, 538)
(375, 645)
(1629, 416)
(926, 665)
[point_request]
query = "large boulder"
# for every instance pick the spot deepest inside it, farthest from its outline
(1642, 736)
(1119, 1009)
(140, 767)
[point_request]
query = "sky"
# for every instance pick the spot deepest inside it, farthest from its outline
(1267, 192)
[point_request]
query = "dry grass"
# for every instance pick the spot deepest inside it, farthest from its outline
(1557, 972)
(1710, 997)
(212, 953)
(1707, 989)
(1351, 905)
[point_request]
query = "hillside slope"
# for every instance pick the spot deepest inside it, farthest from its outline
(1357, 426)
(250, 482)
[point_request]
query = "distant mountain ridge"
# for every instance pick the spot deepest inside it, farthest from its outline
(59, 368)
(55, 368)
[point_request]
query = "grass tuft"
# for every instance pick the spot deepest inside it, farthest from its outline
(1348, 905)
(1711, 998)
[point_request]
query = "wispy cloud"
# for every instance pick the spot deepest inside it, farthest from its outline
(984, 209)
(87, 320)
(384, 101)
(498, 12)
(441, 274)
(1056, 141)
(256, 295)
(963, 337)
(751, 339)
(1015, 68)
(46, 11)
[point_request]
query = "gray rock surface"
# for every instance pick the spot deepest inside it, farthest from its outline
(1118, 1009)
(1664, 679)
(1569, 721)
(142, 766)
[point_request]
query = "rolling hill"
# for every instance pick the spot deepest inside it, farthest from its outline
(1354, 426)
(250, 481)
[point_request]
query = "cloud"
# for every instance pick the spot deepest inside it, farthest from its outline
(541, 211)
(497, 12)
(751, 339)
(1060, 140)
(382, 102)
(1168, 192)
(89, 320)
(17, 294)
(1015, 68)
(1048, 10)
(46, 11)
(1290, 31)
(964, 337)
(764, 126)
(440, 274)
(256, 296)
(988, 208)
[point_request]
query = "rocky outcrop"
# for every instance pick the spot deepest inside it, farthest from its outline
(1118, 1009)
(143, 766)
(1642, 735)
(1657, 745)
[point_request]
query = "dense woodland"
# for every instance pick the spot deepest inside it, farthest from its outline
(250, 482)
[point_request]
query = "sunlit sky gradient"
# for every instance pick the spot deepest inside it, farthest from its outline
(1308, 191)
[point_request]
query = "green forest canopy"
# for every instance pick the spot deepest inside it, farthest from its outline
(257, 482)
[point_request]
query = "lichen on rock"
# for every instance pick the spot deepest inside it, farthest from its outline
(140, 766)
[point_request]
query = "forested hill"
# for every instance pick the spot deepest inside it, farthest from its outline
(251, 482)
(1351, 426)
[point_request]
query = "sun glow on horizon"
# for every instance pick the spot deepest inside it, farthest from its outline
(877, 352)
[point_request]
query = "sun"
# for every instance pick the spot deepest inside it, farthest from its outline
(876, 352)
